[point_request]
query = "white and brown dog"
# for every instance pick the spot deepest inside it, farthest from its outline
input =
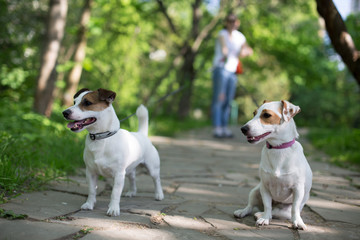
(109, 150)
(285, 175)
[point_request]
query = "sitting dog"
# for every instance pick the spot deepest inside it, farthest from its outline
(109, 150)
(285, 175)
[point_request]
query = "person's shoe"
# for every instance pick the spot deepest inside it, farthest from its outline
(227, 133)
(218, 132)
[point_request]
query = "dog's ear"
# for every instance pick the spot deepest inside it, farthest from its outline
(80, 92)
(289, 110)
(106, 95)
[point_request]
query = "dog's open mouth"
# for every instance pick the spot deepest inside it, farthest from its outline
(252, 139)
(78, 125)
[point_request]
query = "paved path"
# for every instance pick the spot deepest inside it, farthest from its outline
(204, 181)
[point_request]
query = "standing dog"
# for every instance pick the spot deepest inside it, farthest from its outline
(109, 150)
(285, 175)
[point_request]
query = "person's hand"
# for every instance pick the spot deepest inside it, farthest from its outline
(246, 51)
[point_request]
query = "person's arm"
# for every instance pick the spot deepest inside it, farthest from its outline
(224, 49)
(245, 51)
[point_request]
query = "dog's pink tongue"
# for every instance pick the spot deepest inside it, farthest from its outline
(72, 124)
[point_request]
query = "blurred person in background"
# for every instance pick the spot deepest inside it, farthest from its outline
(229, 47)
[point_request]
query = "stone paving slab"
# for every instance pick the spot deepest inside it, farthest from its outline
(204, 180)
(141, 234)
(44, 205)
(77, 185)
(279, 234)
(328, 232)
(23, 229)
(335, 211)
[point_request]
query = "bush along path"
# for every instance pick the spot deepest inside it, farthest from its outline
(204, 181)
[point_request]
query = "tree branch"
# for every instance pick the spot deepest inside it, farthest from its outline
(164, 11)
(340, 38)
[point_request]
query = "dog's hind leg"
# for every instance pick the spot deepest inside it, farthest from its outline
(254, 201)
(132, 178)
(152, 163)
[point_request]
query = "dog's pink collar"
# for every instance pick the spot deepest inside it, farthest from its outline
(281, 146)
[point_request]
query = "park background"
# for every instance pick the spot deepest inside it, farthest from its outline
(144, 50)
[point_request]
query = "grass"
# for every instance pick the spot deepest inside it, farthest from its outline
(342, 145)
(33, 150)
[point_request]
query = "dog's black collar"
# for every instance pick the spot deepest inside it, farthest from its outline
(99, 136)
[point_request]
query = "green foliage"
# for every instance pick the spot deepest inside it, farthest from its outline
(353, 26)
(341, 144)
(291, 61)
(34, 149)
(12, 78)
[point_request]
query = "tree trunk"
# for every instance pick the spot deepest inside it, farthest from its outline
(187, 72)
(47, 77)
(79, 55)
(187, 77)
(340, 38)
(190, 48)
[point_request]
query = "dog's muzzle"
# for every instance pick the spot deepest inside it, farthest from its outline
(66, 113)
(245, 129)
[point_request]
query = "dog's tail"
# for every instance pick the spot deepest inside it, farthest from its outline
(143, 116)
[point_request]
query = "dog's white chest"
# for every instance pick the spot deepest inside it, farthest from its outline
(96, 159)
(279, 186)
(278, 177)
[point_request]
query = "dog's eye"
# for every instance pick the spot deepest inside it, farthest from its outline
(87, 102)
(266, 115)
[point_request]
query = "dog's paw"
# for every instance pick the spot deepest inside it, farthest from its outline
(159, 196)
(130, 194)
(240, 213)
(87, 206)
(114, 209)
(299, 224)
(262, 221)
(258, 215)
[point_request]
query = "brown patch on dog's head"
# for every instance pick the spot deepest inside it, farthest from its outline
(269, 117)
(97, 100)
(80, 92)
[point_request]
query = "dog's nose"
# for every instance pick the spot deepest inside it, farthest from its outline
(245, 129)
(66, 113)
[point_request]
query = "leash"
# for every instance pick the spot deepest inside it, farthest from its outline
(248, 93)
(159, 100)
(103, 135)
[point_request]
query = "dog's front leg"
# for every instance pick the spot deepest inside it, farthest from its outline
(91, 179)
(114, 205)
(298, 195)
(264, 218)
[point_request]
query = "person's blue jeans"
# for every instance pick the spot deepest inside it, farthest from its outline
(224, 87)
